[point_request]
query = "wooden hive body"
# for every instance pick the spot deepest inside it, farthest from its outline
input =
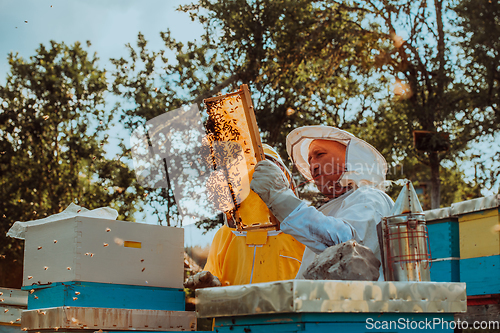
(106, 251)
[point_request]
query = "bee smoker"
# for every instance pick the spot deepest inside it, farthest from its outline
(405, 239)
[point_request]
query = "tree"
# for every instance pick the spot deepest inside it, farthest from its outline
(435, 89)
(53, 125)
(253, 43)
(328, 62)
(478, 32)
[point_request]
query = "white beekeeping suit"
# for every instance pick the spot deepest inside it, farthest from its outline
(353, 215)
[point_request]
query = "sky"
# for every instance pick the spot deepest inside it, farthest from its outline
(108, 24)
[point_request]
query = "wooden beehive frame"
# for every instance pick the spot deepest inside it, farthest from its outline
(244, 92)
(236, 215)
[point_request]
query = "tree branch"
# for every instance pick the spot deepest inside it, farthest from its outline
(230, 80)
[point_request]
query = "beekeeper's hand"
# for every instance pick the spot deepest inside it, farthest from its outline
(270, 183)
(203, 279)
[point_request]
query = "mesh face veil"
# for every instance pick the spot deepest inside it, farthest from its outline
(364, 165)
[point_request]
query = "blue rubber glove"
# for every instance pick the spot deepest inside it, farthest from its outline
(270, 183)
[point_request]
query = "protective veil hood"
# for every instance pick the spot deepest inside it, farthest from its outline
(364, 164)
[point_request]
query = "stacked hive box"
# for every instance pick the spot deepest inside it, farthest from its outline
(478, 221)
(333, 306)
(465, 244)
(444, 244)
(12, 303)
(96, 274)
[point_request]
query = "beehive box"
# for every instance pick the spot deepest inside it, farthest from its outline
(445, 271)
(478, 222)
(330, 306)
(105, 295)
(106, 251)
(12, 303)
(71, 319)
(444, 236)
(481, 275)
(444, 243)
(335, 322)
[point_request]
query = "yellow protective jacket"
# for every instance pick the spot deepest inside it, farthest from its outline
(253, 256)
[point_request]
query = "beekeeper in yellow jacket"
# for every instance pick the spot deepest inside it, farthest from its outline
(245, 257)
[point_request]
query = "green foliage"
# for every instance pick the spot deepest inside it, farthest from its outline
(148, 95)
(254, 43)
(478, 33)
(333, 63)
(52, 135)
(302, 59)
(438, 85)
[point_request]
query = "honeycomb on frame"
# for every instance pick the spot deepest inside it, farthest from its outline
(235, 148)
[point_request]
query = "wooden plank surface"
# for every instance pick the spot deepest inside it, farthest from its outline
(107, 319)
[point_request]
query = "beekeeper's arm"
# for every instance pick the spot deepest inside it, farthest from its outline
(362, 210)
(309, 226)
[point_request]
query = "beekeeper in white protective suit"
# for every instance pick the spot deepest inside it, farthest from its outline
(349, 171)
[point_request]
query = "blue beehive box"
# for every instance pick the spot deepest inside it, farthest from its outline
(104, 295)
(481, 275)
(445, 271)
(336, 322)
(332, 306)
(444, 240)
(479, 244)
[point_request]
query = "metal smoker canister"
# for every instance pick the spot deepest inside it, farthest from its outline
(406, 240)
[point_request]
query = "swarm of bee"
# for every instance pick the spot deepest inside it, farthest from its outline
(232, 151)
